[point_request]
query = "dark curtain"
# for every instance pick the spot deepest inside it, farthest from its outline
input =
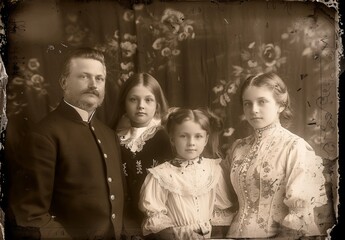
(199, 51)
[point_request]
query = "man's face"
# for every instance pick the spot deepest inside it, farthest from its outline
(84, 86)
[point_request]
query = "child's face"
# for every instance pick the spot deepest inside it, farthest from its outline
(140, 106)
(189, 140)
(260, 107)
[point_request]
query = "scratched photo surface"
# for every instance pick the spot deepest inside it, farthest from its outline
(199, 51)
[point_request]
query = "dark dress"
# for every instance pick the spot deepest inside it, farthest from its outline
(155, 149)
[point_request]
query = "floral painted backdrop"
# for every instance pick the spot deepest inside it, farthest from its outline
(200, 52)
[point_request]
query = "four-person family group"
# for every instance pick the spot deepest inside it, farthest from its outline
(160, 174)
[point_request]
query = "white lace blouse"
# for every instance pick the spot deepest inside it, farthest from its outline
(188, 198)
(278, 181)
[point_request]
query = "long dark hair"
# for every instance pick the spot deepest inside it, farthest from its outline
(149, 82)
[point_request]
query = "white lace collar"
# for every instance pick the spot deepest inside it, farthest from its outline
(134, 138)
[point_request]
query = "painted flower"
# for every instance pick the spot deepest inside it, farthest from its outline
(232, 88)
(113, 44)
(128, 15)
(172, 16)
(218, 88)
(228, 132)
(270, 54)
(252, 63)
(182, 36)
(176, 52)
(124, 77)
(128, 48)
(285, 36)
(317, 139)
(175, 27)
(17, 81)
(33, 64)
(156, 32)
(130, 37)
(158, 43)
(166, 52)
(188, 29)
(116, 34)
(37, 79)
(138, 6)
(222, 101)
(245, 55)
(11, 95)
(127, 66)
(251, 45)
(237, 70)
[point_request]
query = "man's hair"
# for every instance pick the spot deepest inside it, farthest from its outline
(88, 53)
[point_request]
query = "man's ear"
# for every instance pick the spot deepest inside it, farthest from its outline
(63, 83)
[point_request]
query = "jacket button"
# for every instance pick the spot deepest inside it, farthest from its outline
(93, 129)
(98, 140)
(105, 155)
(112, 197)
(113, 216)
(110, 179)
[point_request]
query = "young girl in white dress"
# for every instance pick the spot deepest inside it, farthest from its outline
(181, 197)
(276, 175)
(143, 140)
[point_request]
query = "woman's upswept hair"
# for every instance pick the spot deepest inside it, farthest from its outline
(207, 120)
(273, 82)
(149, 82)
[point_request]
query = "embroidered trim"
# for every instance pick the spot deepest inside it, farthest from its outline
(124, 167)
(139, 167)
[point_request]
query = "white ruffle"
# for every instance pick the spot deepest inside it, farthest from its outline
(302, 220)
(178, 179)
(135, 138)
(156, 222)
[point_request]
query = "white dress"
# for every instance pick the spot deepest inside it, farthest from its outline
(189, 198)
(278, 181)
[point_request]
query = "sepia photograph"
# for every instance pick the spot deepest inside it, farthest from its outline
(169, 119)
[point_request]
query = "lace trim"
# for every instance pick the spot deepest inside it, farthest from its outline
(140, 141)
(169, 179)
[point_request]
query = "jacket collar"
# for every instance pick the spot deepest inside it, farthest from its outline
(70, 112)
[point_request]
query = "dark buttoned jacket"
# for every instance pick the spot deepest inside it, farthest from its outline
(68, 181)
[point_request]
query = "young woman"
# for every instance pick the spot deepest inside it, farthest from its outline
(276, 175)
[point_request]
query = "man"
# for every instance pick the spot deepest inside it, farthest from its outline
(68, 184)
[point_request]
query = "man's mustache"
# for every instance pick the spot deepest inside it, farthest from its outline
(94, 92)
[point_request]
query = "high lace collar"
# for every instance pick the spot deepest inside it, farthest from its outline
(179, 162)
(134, 138)
(265, 131)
